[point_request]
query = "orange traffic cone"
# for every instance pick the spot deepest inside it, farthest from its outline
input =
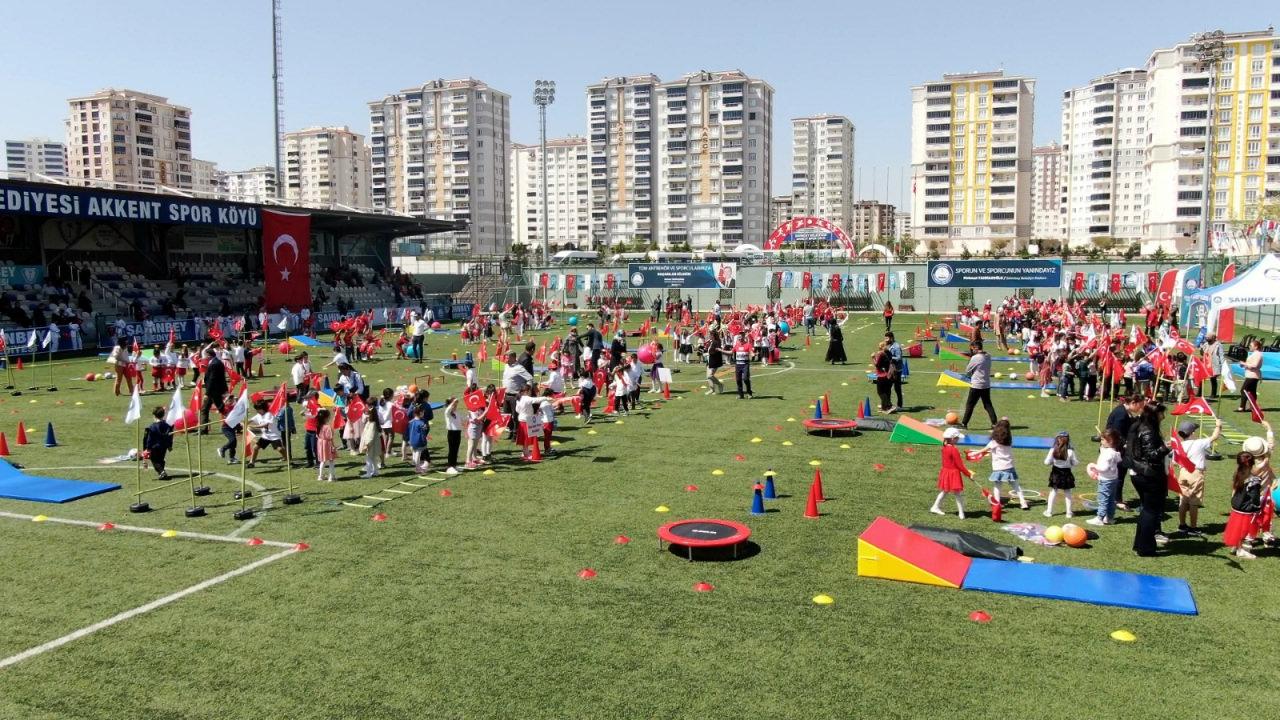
(666, 391)
(19, 363)
(826, 404)
(4, 446)
(608, 408)
(817, 484)
(535, 450)
(811, 507)
(858, 406)
(22, 433)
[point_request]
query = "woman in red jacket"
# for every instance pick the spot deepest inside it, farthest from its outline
(888, 316)
(951, 476)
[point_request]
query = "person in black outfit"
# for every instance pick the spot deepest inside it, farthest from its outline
(1144, 454)
(617, 352)
(835, 346)
(595, 343)
(526, 358)
(1121, 420)
(215, 387)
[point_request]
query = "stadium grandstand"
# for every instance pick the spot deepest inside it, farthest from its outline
(86, 259)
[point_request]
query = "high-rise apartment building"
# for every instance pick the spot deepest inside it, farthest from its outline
(1104, 144)
(680, 162)
(255, 185)
(130, 139)
(623, 117)
(871, 222)
(440, 150)
(901, 225)
(715, 158)
(822, 168)
(326, 166)
(1046, 192)
(35, 157)
(1213, 138)
(971, 140)
(568, 195)
(204, 176)
(780, 210)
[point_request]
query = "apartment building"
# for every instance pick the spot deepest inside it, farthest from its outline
(871, 222)
(1213, 139)
(129, 139)
(204, 176)
(568, 221)
(34, 158)
(325, 166)
(822, 168)
(781, 209)
(1046, 192)
(1105, 139)
(255, 185)
(971, 142)
(623, 126)
(440, 150)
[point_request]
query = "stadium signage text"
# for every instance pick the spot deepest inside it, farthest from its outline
(100, 205)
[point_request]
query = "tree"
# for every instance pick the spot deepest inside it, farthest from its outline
(1132, 251)
(1159, 255)
(519, 251)
(965, 254)
(1103, 243)
(934, 254)
(998, 246)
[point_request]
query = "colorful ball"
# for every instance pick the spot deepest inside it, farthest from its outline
(1015, 352)
(90, 377)
(284, 348)
(952, 418)
(1030, 375)
(1053, 534)
(785, 327)
(435, 325)
(109, 375)
(1074, 535)
(647, 353)
(413, 389)
(573, 321)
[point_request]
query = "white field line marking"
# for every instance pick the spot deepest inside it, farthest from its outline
(246, 526)
(147, 530)
(143, 609)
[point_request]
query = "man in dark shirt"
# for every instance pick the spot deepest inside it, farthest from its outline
(1121, 420)
(215, 387)
(595, 343)
(526, 359)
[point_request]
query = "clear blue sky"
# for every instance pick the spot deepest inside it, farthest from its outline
(851, 58)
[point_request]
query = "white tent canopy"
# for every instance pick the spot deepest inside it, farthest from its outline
(1259, 285)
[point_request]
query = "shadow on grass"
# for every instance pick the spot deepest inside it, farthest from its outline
(745, 551)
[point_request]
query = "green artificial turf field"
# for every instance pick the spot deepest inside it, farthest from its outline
(471, 605)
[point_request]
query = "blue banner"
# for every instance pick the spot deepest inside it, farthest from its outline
(22, 274)
(691, 276)
(153, 332)
(93, 204)
(1038, 273)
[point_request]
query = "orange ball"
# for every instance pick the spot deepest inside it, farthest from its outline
(1030, 375)
(952, 418)
(413, 389)
(1074, 535)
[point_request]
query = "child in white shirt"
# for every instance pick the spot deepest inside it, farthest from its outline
(1060, 459)
(1106, 470)
(1000, 448)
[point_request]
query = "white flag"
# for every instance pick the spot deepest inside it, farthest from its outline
(284, 321)
(31, 341)
(48, 338)
(239, 411)
(134, 413)
(1227, 380)
(176, 409)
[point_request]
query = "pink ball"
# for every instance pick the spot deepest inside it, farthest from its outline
(435, 325)
(187, 420)
(285, 348)
(647, 354)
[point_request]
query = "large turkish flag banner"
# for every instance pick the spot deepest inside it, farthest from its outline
(286, 259)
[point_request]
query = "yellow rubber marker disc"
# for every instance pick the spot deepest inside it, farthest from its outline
(815, 463)
(823, 599)
(1123, 636)
(489, 472)
(661, 509)
(40, 518)
(717, 471)
(844, 446)
(757, 440)
(787, 443)
(169, 534)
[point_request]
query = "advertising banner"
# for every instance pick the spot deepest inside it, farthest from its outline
(1039, 273)
(91, 204)
(22, 274)
(691, 276)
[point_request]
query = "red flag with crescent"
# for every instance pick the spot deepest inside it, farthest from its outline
(286, 259)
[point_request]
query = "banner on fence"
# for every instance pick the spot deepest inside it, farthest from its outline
(1039, 273)
(691, 276)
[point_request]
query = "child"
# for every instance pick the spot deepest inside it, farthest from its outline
(951, 476)
(686, 346)
(1061, 458)
(310, 426)
(1000, 448)
(1191, 482)
(157, 441)
(453, 431)
(472, 377)
(634, 370)
(475, 436)
(654, 385)
(264, 423)
(325, 453)
(1106, 470)
(555, 380)
(371, 443)
(1248, 490)
(547, 408)
(417, 436)
(385, 411)
(184, 364)
(156, 363)
(621, 391)
(586, 396)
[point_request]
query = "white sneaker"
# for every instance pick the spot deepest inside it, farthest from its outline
(1070, 514)
(451, 471)
(1095, 520)
(1245, 554)
(1048, 513)
(936, 511)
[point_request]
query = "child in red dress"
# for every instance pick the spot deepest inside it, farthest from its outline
(951, 476)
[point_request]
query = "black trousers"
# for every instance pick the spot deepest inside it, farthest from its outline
(417, 347)
(888, 324)
(210, 401)
(742, 376)
(1213, 387)
(509, 408)
(1249, 388)
(455, 440)
(1152, 493)
(883, 386)
(976, 394)
(897, 387)
(230, 447)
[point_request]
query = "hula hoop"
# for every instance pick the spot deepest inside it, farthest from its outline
(1032, 493)
(1087, 496)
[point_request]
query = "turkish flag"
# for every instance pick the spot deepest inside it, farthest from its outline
(806, 281)
(1196, 406)
(1153, 282)
(609, 281)
(881, 279)
(1079, 282)
(286, 259)
(570, 281)
(544, 280)
(835, 282)
(1115, 282)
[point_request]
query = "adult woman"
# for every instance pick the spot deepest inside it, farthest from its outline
(715, 361)
(884, 369)
(118, 360)
(835, 346)
(1211, 355)
(1252, 375)
(888, 316)
(1144, 453)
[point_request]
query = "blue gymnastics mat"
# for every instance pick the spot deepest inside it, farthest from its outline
(1026, 442)
(1007, 385)
(306, 341)
(1098, 587)
(17, 485)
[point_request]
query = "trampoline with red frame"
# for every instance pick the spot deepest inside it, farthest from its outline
(830, 425)
(704, 533)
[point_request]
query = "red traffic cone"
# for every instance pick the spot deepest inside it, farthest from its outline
(19, 363)
(858, 407)
(535, 451)
(608, 408)
(301, 547)
(446, 493)
(107, 526)
(811, 507)
(22, 434)
(4, 446)
(666, 391)
(817, 483)
(826, 404)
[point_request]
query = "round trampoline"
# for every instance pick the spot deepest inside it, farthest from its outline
(830, 425)
(704, 533)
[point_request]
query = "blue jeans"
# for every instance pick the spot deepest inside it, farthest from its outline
(309, 445)
(1107, 497)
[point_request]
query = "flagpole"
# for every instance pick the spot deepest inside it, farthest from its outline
(139, 506)
(243, 513)
(52, 387)
(291, 498)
